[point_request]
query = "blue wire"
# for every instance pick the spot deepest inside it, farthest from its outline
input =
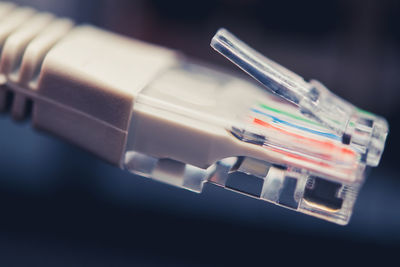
(277, 120)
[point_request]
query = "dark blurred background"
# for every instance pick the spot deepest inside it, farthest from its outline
(61, 206)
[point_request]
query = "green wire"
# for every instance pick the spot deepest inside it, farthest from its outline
(291, 115)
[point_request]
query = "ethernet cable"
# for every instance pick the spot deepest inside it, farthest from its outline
(153, 112)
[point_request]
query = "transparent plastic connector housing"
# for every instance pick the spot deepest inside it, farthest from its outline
(194, 125)
(286, 187)
(364, 131)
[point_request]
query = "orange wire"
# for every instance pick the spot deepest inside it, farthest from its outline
(324, 144)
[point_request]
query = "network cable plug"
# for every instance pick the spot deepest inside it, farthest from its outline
(154, 112)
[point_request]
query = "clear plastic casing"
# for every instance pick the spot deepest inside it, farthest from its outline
(194, 124)
(362, 130)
